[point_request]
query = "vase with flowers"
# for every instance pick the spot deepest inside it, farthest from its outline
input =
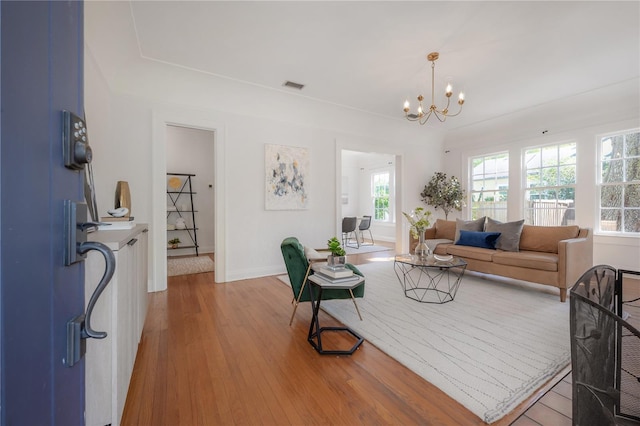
(419, 220)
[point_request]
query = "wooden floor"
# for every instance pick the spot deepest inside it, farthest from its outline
(223, 354)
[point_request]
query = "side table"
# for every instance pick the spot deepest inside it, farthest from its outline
(315, 330)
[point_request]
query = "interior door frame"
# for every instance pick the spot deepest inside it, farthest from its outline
(198, 120)
(358, 146)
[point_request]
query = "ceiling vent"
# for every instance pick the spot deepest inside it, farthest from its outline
(293, 85)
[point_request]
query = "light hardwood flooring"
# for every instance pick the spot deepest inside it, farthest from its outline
(223, 354)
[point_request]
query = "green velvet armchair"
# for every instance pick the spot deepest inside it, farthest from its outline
(299, 269)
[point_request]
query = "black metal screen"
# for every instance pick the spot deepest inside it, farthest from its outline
(629, 359)
(605, 351)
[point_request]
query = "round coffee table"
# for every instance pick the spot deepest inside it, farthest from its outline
(429, 280)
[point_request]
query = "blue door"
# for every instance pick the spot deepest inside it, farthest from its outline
(41, 55)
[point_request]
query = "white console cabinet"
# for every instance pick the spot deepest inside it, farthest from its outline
(120, 311)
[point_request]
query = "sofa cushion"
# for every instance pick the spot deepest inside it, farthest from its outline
(445, 229)
(433, 244)
(443, 247)
(478, 239)
(546, 238)
(468, 225)
(470, 252)
(527, 259)
(509, 233)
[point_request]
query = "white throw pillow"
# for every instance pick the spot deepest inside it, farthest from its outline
(313, 254)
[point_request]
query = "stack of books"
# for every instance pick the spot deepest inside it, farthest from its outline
(110, 223)
(336, 274)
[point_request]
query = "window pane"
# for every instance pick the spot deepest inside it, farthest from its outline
(611, 196)
(567, 194)
(549, 156)
(502, 165)
(533, 178)
(567, 153)
(612, 171)
(478, 185)
(632, 144)
(549, 176)
(610, 220)
(632, 195)
(567, 175)
(632, 171)
(617, 146)
(532, 158)
(632, 220)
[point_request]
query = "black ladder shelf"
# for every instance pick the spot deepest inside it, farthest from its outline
(174, 196)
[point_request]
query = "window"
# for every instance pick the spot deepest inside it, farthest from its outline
(620, 183)
(380, 194)
(550, 184)
(489, 186)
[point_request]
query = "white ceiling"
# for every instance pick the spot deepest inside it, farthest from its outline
(506, 56)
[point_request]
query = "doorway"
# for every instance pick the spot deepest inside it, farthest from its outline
(190, 152)
(185, 119)
(362, 174)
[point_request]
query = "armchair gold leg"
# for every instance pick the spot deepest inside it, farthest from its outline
(355, 304)
(296, 300)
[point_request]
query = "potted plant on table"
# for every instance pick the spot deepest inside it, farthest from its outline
(419, 220)
(338, 257)
(173, 243)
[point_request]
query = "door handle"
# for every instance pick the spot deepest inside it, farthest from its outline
(110, 267)
(79, 328)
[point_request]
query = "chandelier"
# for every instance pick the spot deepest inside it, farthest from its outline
(423, 115)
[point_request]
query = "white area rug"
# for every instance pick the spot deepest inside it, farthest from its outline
(189, 265)
(489, 349)
(365, 249)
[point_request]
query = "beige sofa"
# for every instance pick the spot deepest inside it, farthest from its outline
(551, 255)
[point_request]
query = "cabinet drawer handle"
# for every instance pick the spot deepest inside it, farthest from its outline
(132, 241)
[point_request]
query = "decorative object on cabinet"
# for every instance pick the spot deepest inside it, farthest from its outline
(286, 180)
(123, 197)
(180, 206)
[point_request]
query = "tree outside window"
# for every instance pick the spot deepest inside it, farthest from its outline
(620, 183)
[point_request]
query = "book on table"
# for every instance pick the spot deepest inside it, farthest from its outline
(333, 273)
(324, 278)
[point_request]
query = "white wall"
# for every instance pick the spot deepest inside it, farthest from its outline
(616, 250)
(249, 118)
(190, 151)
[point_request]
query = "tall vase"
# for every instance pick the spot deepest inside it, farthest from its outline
(422, 250)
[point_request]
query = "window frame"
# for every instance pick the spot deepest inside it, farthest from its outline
(562, 215)
(500, 188)
(600, 184)
(391, 199)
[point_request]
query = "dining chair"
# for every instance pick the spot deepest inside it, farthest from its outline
(348, 228)
(365, 225)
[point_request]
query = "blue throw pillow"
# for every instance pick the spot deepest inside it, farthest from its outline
(478, 239)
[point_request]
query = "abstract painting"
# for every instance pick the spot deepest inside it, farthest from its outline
(287, 175)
